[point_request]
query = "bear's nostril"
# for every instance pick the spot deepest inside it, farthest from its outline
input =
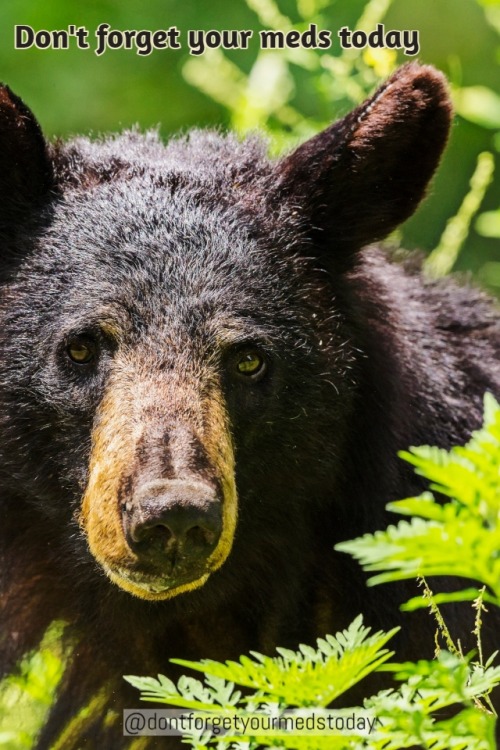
(157, 535)
(200, 537)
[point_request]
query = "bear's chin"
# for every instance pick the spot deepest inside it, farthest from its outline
(152, 588)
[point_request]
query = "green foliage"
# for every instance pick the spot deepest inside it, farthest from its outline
(26, 696)
(460, 537)
(481, 106)
(264, 97)
(442, 259)
(307, 677)
(409, 716)
(310, 679)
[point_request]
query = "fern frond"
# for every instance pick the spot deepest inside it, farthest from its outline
(460, 537)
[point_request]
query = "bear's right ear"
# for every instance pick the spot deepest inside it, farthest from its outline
(25, 167)
(356, 181)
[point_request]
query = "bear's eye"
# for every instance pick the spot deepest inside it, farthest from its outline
(251, 364)
(81, 350)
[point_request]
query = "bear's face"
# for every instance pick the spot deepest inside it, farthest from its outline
(167, 313)
(166, 342)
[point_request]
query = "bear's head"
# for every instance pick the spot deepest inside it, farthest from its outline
(177, 365)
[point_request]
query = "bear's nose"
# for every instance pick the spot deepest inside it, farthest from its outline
(173, 522)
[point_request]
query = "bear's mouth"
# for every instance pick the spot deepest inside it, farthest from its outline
(147, 585)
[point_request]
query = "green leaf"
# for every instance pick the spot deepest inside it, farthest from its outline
(488, 224)
(479, 105)
(466, 595)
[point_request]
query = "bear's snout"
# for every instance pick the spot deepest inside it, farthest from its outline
(174, 525)
(160, 507)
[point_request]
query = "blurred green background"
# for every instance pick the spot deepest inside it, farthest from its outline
(288, 93)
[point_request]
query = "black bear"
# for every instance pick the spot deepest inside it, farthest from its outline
(206, 371)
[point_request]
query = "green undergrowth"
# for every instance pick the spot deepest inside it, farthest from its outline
(26, 695)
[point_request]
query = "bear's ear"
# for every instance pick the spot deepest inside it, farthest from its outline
(364, 175)
(25, 167)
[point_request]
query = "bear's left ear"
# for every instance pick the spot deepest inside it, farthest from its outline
(25, 167)
(364, 175)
